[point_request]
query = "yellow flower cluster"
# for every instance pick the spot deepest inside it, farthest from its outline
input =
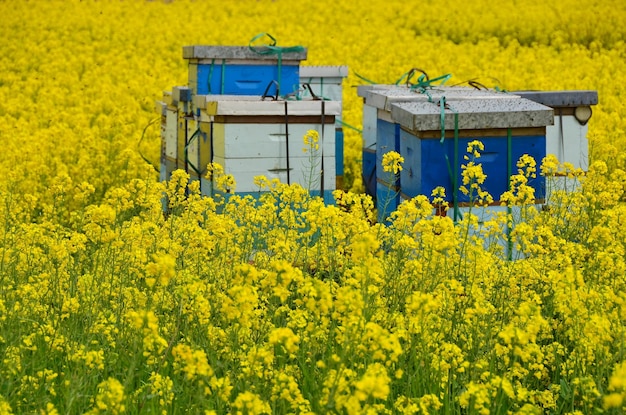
(110, 398)
(392, 162)
(473, 176)
(311, 141)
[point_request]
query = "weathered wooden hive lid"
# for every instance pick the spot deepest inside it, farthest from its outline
(562, 99)
(241, 53)
(384, 98)
(255, 105)
(473, 114)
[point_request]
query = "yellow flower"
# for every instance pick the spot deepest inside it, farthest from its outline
(223, 182)
(110, 398)
(311, 141)
(249, 403)
(5, 408)
(475, 147)
(617, 387)
(163, 269)
(527, 166)
(193, 363)
(374, 383)
(163, 387)
(549, 165)
(392, 162)
(285, 337)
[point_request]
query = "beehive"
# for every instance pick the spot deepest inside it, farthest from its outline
(250, 137)
(387, 132)
(508, 128)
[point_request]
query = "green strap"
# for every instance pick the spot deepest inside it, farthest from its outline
(423, 82)
(369, 81)
(455, 181)
(272, 49)
(187, 161)
(223, 76)
(442, 119)
(442, 126)
(342, 122)
(322, 148)
(199, 172)
(509, 156)
(425, 92)
(452, 172)
(509, 172)
(210, 75)
(406, 75)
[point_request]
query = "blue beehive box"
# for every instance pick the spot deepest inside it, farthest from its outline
(507, 128)
(426, 165)
(239, 70)
(387, 132)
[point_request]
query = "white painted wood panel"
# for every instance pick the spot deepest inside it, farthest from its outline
(268, 140)
(301, 172)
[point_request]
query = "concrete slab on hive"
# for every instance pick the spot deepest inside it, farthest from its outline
(473, 114)
(384, 98)
(240, 53)
(561, 98)
(323, 72)
(362, 90)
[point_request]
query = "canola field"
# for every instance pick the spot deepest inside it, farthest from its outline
(286, 305)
